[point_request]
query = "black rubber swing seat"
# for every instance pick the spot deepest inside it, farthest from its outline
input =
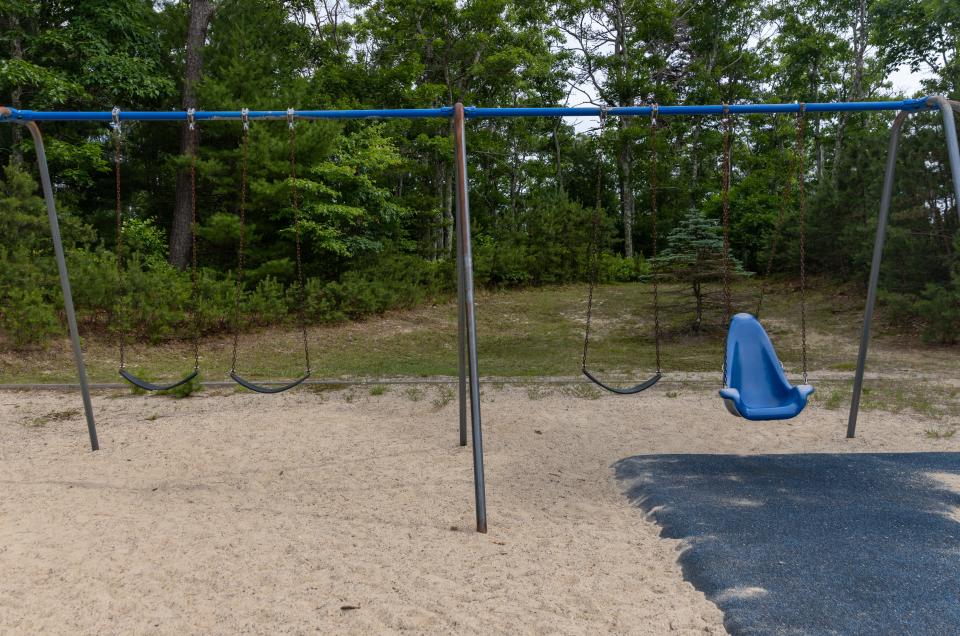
(150, 386)
(259, 388)
(643, 386)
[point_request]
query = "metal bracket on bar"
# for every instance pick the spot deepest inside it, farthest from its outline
(245, 118)
(115, 113)
(191, 118)
(290, 115)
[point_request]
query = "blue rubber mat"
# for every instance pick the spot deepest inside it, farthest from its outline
(813, 543)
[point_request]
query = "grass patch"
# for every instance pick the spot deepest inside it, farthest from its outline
(581, 391)
(836, 399)
(923, 398)
(378, 389)
(522, 333)
(843, 366)
(53, 416)
(946, 434)
(538, 392)
(185, 390)
(320, 389)
(444, 397)
(414, 393)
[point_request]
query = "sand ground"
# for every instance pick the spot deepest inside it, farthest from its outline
(346, 512)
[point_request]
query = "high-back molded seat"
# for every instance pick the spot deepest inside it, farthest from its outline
(756, 386)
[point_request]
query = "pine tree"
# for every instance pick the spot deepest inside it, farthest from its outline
(694, 257)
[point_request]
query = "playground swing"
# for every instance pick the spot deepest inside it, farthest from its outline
(121, 277)
(595, 264)
(301, 290)
(755, 386)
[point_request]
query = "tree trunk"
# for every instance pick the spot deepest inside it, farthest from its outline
(514, 189)
(181, 230)
(698, 295)
(695, 164)
(440, 183)
(16, 53)
(859, 37)
(448, 223)
(627, 201)
(557, 156)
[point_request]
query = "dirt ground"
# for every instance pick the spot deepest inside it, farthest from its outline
(349, 512)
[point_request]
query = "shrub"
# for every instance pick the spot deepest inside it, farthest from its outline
(27, 317)
(614, 268)
(269, 303)
(94, 283)
(939, 307)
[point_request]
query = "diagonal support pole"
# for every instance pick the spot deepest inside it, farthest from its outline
(953, 152)
(953, 145)
(467, 307)
(64, 276)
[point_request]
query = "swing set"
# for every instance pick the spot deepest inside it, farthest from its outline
(755, 386)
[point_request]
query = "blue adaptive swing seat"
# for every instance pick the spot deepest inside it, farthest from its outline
(756, 386)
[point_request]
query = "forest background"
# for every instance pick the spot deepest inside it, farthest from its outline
(376, 197)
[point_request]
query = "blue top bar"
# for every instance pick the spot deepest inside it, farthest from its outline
(201, 115)
(737, 109)
(474, 112)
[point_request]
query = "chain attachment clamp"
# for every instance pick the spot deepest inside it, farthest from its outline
(604, 111)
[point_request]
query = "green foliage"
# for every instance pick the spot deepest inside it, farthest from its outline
(266, 304)
(185, 390)
(142, 237)
(694, 251)
(377, 199)
(694, 256)
(620, 269)
(27, 317)
(939, 307)
(394, 281)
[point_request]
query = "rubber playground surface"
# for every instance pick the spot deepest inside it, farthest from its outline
(813, 543)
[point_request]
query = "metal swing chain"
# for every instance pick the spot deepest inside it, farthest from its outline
(801, 206)
(194, 278)
(294, 200)
(594, 262)
(655, 108)
(778, 229)
(727, 301)
(121, 279)
(245, 113)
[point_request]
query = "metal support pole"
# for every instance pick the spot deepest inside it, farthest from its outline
(470, 321)
(953, 150)
(461, 332)
(64, 280)
(875, 270)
